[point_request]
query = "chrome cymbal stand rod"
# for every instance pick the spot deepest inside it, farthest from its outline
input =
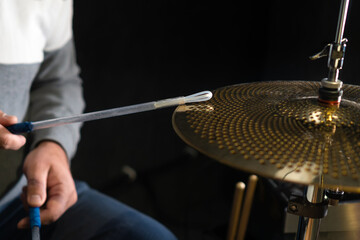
(341, 21)
(337, 49)
(308, 228)
(330, 91)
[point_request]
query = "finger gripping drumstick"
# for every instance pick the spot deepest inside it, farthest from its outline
(143, 107)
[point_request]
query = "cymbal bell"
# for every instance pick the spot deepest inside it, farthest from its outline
(279, 130)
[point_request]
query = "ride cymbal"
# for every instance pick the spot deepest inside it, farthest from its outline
(279, 130)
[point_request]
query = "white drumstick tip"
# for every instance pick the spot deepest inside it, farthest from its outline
(199, 97)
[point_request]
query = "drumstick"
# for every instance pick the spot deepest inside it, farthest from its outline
(35, 222)
(31, 126)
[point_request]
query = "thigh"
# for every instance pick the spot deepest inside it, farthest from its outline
(9, 218)
(97, 216)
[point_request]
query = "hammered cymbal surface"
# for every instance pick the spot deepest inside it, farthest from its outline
(279, 130)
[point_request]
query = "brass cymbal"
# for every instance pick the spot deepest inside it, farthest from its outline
(279, 130)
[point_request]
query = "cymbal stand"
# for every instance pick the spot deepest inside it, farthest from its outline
(330, 91)
(310, 208)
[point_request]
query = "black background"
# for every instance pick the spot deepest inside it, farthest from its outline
(138, 51)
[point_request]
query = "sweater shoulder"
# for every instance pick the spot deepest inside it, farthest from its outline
(30, 27)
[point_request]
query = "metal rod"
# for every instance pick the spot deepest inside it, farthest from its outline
(309, 227)
(335, 64)
(341, 21)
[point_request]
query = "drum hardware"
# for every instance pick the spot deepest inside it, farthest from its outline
(280, 130)
(311, 208)
(330, 90)
(330, 93)
(309, 225)
(296, 131)
(301, 206)
(334, 196)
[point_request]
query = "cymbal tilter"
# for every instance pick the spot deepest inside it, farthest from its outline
(330, 91)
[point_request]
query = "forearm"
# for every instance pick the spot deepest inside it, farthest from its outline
(57, 92)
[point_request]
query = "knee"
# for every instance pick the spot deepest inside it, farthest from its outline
(147, 228)
(153, 233)
(136, 227)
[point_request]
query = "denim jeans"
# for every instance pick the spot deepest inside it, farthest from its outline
(94, 216)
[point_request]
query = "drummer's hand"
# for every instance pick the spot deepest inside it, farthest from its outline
(7, 139)
(49, 181)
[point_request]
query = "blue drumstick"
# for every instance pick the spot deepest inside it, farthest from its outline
(35, 222)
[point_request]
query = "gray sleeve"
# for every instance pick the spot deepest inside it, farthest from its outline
(57, 92)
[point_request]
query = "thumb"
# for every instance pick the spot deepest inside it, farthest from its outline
(36, 187)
